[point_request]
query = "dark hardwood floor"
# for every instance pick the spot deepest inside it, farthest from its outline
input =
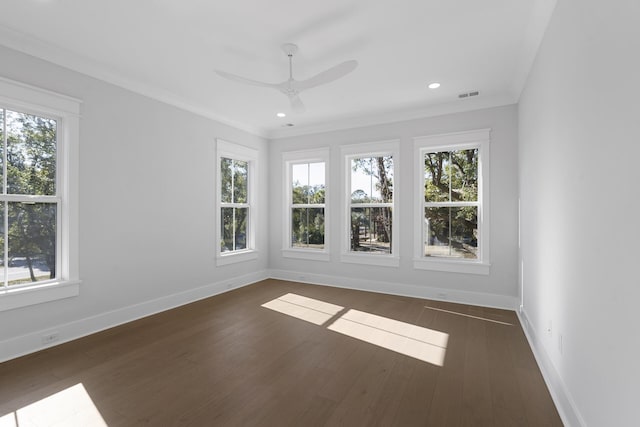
(228, 360)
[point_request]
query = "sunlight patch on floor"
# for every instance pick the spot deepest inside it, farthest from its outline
(69, 407)
(468, 315)
(307, 309)
(404, 338)
(414, 341)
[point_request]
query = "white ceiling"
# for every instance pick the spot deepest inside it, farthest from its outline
(169, 49)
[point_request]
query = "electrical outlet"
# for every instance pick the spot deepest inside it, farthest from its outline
(49, 338)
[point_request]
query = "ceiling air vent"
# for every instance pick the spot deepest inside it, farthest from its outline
(468, 94)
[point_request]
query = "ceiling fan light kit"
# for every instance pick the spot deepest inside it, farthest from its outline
(292, 87)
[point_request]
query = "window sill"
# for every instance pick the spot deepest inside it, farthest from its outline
(308, 254)
(371, 259)
(235, 257)
(38, 294)
(467, 267)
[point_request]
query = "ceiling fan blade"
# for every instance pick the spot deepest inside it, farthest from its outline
(240, 79)
(296, 104)
(327, 76)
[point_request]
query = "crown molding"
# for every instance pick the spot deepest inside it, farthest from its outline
(381, 118)
(33, 46)
(62, 57)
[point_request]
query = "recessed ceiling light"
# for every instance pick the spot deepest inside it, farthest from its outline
(434, 85)
(281, 115)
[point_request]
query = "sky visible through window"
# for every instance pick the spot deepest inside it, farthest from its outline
(359, 179)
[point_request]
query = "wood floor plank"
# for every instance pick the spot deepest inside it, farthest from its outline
(228, 360)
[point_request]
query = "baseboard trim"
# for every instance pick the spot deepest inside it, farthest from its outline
(561, 397)
(32, 342)
(402, 289)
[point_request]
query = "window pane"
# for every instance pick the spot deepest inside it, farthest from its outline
(227, 229)
(317, 183)
(240, 173)
(371, 230)
(31, 154)
(226, 180)
(372, 180)
(300, 183)
(307, 228)
(241, 228)
(233, 229)
(32, 242)
(451, 232)
(436, 177)
(464, 175)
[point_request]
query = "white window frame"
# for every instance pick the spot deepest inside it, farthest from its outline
(229, 150)
(65, 110)
(372, 149)
(289, 159)
(447, 142)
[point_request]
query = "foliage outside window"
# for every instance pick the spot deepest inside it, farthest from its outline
(308, 205)
(29, 201)
(236, 202)
(234, 206)
(451, 203)
(371, 204)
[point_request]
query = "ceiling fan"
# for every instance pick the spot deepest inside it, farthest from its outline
(292, 87)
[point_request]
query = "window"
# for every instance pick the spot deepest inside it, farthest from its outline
(236, 206)
(452, 209)
(38, 195)
(305, 220)
(370, 232)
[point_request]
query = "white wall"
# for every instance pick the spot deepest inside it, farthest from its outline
(147, 209)
(579, 154)
(498, 289)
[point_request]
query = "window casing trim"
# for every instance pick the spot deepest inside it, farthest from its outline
(226, 149)
(290, 158)
(66, 111)
(360, 150)
(446, 142)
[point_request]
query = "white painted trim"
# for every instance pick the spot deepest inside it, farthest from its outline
(369, 149)
(29, 343)
(384, 260)
(26, 96)
(563, 400)
(65, 58)
(308, 254)
(18, 297)
(290, 158)
(480, 138)
(66, 110)
(404, 289)
(227, 258)
(249, 155)
(388, 117)
(453, 266)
